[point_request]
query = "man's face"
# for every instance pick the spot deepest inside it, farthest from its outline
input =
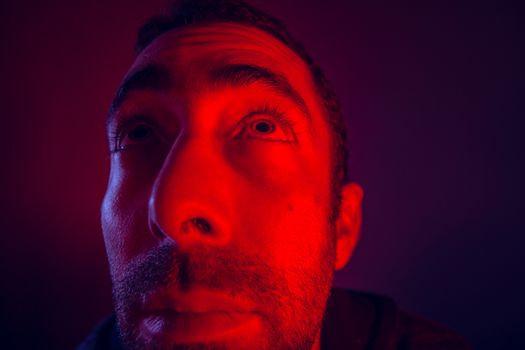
(216, 215)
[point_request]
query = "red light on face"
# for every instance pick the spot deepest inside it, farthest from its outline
(220, 180)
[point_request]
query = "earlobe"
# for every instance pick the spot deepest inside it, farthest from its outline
(348, 224)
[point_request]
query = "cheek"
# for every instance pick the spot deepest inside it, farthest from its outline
(284, 200)
(124, 219)
(275, 167)
(301, 236)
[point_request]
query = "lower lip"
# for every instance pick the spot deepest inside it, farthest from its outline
(186, 328)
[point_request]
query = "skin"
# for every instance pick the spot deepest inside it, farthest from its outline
(216, 216)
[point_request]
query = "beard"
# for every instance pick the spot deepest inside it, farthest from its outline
(291, 314)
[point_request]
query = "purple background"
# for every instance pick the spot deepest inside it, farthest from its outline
(436, 121)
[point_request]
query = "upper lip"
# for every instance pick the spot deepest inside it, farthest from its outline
(195, 300)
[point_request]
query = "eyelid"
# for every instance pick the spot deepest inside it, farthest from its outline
(123, 123)
(270, 111)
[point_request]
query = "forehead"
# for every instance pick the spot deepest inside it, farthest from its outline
(195, 49)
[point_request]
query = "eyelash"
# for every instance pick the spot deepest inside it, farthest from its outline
(281, 117)
(116, 134)
(273, 112)
(265, 109)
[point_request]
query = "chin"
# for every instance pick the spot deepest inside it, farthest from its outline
(185, 334)
(255, 337)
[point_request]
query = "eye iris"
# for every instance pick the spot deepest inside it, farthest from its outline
(263, 127)
(138, 133)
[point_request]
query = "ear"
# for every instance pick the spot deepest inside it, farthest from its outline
(348, 224)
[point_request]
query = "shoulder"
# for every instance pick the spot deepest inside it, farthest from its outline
(359, 320)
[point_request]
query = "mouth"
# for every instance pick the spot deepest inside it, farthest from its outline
(196, 316)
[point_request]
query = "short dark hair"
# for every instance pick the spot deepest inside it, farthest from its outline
(185, 12)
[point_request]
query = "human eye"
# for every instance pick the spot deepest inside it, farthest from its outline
(134, 132)
(269, 124)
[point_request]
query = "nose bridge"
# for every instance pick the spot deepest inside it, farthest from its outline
(187, 202)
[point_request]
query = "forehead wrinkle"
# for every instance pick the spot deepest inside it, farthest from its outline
(241, 37)
(228, 44)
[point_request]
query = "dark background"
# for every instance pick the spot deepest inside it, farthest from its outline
(433, 99)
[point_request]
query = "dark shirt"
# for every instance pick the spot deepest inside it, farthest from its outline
(353, 321)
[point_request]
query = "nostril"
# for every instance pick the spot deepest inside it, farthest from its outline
(202, 224)
(199, 224)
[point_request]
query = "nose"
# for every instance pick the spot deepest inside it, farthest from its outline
(188, 201)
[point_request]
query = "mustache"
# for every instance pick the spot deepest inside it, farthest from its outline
(225, 269)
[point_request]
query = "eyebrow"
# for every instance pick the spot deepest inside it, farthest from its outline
(156, 77)
(241, 75)
(153, 77)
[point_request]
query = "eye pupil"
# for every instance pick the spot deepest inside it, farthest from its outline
(263, 127)
(138, 133)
